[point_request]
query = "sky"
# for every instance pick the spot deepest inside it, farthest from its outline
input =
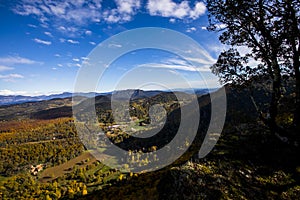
(45, 44)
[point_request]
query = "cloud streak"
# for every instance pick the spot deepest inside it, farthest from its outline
(10, 60)
(10, 77)
(7, 92)
(5, 68)
(42, 41)
(72, 41)
(177, 64)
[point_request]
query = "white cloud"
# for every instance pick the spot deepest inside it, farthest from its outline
(7, 92)
(10, 60)
(115, 46)
(168, 8)
(217, 48)
(76, 59)
(201, 61)
(128, 6)
(124, 11)
(48, 34)
(172, 20)
(59, 65)
(92, 43)
(62, 40)
(176, 64)
(88, 32)
(84, 58)
(11, 77)
(243, 50)
(32, 25)
(71, 31)
(42, 41)
(111, 16)
(220, 26)
(199, 10)
(73, 16)
(72, 64)
(77, 12)
(192, 29)
(72, 41)
(5, 68)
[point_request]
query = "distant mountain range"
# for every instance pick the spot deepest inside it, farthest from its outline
(122, 94)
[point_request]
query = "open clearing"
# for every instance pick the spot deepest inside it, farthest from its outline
(52, 173)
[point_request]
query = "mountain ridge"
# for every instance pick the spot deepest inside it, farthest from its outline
(134, 93)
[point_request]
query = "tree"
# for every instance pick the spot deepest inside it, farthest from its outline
(270, 30)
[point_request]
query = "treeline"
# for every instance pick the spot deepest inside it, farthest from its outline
(50, 143)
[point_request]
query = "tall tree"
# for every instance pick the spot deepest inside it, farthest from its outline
(270, 30)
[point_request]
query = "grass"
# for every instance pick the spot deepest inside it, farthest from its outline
(53, 173)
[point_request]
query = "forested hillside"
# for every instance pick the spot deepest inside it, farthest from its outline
(247, 162)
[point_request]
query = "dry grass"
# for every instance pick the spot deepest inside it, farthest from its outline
(54, 172)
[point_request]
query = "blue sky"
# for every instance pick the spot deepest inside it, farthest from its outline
(44, 43)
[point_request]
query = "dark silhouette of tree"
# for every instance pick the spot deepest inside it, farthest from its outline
(270, 30)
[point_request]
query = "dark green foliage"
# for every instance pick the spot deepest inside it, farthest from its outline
(270, 31)
(53, 113)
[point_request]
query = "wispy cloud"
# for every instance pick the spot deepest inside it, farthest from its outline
(62, 40)
(5, 68)
(42, 41)
(76, 59)
(10, 92)
(72, 41)
(12, 60)
(201, 61)
(10, 77)
(70, 30)
(7, 92)
(191, 29)
(48, 34)
(32, 25)
(115, 45)
(84, 58)
(70, 16)
(176, 64)
(78, 12)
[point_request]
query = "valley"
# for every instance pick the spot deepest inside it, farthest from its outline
(74, 170)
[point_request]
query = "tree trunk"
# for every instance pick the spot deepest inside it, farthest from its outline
(297, 99)
(294, 36)
(275, 96)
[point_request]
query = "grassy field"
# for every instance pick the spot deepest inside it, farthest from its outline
(81, 161)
